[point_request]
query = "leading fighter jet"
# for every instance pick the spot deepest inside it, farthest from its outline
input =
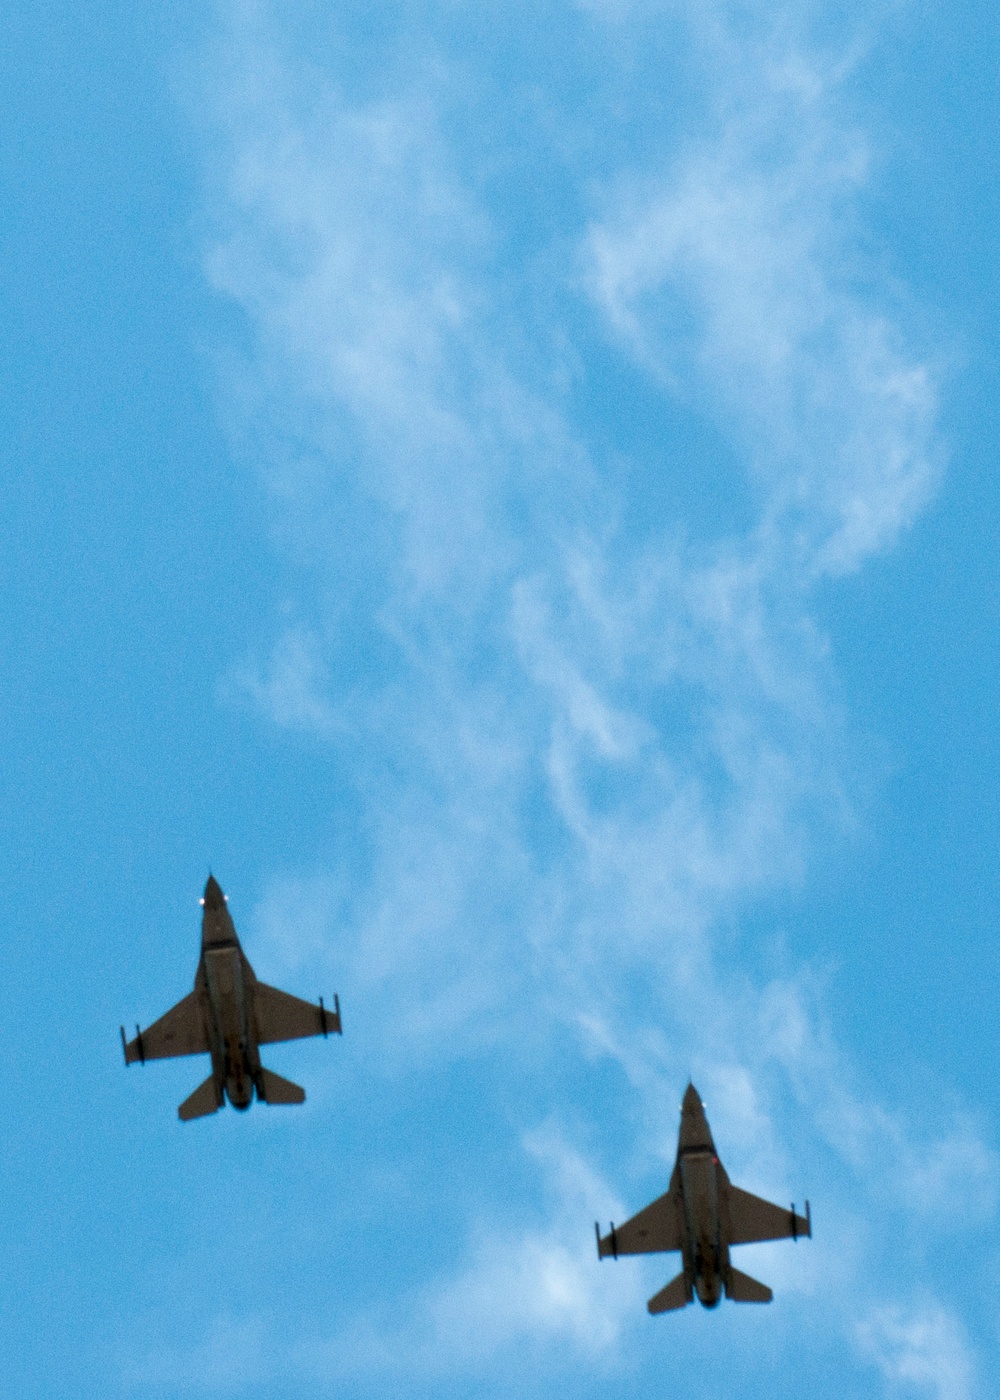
(229, 1015)
(702, 1215)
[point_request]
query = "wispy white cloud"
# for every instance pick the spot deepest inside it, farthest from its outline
(581, 749)
(517, 1284)
(539, 1284)
(735, 261)
(297, 917)
(293, 688)
(923, 1349)
(235, 1350)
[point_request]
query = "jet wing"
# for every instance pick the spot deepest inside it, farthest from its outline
(654, 1229)
(284, 1017)
(180, 1032)
(752, 1219)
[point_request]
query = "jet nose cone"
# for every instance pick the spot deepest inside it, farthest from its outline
(213, 897)
(692, 1101)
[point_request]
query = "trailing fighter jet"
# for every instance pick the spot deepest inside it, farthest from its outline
(702, 1215)
(229, 1015)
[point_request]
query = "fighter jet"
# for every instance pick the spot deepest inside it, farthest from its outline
(229, 1015)
(702, 1215)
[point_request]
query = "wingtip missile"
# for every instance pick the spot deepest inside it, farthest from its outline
(607, 1245)
(794, 1230)
(330, 1019)
(136, 1046)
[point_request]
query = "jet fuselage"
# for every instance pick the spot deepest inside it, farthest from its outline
(705, 1253)
(224, 982)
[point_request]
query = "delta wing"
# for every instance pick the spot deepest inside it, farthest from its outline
(284, 1017)
(753, 1219)
(653, 1230)
(180, 1032)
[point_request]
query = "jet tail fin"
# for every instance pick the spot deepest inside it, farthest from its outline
(677, 1294)
(744, 1289)
(205, 1099)
(273, 1089)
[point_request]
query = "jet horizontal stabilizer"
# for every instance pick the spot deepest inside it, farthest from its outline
(205, 1099)
(744, 1289)
(271, 1088)
(677, 1294)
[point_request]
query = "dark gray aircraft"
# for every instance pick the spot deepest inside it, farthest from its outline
(702, 1215)
(229, 1015)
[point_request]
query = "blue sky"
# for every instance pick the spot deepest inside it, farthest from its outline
(510, 488)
